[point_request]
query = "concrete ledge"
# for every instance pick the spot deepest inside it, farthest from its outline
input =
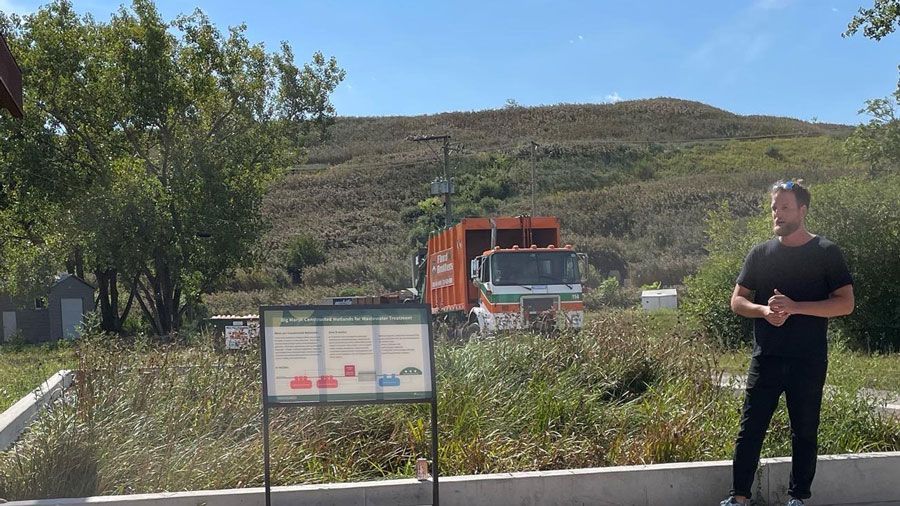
(858, 479)
(15, 419)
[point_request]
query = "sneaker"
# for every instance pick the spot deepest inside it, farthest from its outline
(732, 501)
(795, 502)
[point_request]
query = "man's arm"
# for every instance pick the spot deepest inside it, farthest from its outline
(742, 305)
(839, 303)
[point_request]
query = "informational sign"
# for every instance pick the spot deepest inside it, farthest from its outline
(237, 337)
(325, 354)
(353, 354)
(442, 269)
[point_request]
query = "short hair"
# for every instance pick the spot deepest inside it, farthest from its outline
(795, 186)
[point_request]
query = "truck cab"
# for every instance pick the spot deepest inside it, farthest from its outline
(526, 288)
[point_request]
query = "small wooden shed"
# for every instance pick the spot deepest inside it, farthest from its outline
(51, 318)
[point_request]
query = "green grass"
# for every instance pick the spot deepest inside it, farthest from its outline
(24, 367)
(630, 388)
(846, 368)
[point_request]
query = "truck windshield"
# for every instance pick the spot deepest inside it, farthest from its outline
(538, 268)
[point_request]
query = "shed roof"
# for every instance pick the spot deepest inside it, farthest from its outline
(665, 292)
(62, 276)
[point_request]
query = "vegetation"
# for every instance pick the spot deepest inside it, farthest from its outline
(860, 214)
(25, 367)
(147, 149)
(634, 209)
(632, 388)
(303, 252)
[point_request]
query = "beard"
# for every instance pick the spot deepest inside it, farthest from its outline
(785, 229)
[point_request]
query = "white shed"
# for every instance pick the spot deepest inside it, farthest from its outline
(658, 299)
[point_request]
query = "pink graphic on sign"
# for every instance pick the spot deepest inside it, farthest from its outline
(301, 383)
(327, 381)
(349, 370)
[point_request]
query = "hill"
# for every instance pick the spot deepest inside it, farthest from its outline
(632, 183)
(653, 120)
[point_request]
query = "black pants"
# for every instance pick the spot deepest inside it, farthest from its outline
(802, 381)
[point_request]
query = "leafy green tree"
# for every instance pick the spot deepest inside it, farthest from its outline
(164, 137)
(878, 21)
(877, 143)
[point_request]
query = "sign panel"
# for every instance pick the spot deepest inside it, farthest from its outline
(323, 354)
(237, 337)
(441, 269)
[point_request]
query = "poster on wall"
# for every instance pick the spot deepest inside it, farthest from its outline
(338, 354)
(237, 337)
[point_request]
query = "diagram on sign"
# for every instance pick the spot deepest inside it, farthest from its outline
(301, 383)
(389, 380)
(327, 381)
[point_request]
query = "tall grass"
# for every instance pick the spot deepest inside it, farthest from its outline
(628, 389)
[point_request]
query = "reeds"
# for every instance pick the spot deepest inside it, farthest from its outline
(630, 388)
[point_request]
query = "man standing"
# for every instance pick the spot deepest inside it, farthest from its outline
(790, 286)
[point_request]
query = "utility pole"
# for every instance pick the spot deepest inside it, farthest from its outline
(448, 210)
(533, 148)
(443, 185)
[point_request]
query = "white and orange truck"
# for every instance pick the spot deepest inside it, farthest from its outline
(485, 275)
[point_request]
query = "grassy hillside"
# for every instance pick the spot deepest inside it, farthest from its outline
(658, 120)
(633, 206)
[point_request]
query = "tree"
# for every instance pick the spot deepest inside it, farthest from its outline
(167, 135)
(877, 143)
(879, 21)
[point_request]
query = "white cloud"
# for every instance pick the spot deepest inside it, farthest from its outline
(612, 98)
(349, 86)
(571, 41)
(834, 9)
(581, 37)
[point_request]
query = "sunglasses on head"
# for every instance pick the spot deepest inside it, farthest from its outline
(786, 185)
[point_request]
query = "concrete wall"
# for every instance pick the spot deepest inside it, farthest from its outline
(841, 479)
(15, 419)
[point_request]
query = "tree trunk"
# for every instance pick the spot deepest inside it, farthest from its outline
(111, 319)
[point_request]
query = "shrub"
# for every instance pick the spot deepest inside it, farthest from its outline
(303, 251)
(863, 217)
(708, 293)
(609, 294)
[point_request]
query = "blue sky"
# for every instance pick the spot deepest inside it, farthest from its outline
(776, 57)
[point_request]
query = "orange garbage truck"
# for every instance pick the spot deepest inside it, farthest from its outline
(485, 275)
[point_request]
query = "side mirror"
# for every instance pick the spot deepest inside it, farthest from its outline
(475, 268)
(582, 266)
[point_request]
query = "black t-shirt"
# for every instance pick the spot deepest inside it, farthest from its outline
(804, 273)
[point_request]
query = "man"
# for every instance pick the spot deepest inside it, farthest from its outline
(790, 286)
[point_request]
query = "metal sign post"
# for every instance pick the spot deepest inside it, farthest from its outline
(347, 355)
